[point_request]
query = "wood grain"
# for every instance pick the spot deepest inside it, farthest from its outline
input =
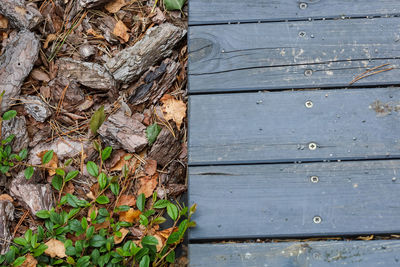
(280, 200)
(278, 127)
(296, 254)
(216, 11)
(292, 54)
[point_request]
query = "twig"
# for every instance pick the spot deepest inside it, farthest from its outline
(366, 73)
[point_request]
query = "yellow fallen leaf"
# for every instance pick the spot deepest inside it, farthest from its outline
(3, 22)
(115, 6)
(94, 33)
(20, 10)
(50, 38)
(129, 216)
(6, 197)
(55, 248)
(52, 164)
(121, 30)
(173, 109)
(124, 232)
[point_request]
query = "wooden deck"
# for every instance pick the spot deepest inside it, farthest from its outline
(284, 142)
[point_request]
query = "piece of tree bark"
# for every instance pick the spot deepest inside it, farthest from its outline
(165, 148)
(15, 65)
(154, 83)
(6, 216)
(156, 45)
(21, 15)
(36, 107)
(88, 74)
(121, 131)
(34, 197)
(16, 126)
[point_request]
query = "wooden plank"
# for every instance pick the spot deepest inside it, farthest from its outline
(292, 54)
(289, 254)
(278, 127)
(216, 11)
(282, 200)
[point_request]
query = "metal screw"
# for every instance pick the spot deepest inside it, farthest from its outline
(394, 179)
(314, 179)
(312, 146)
(302, 34)
(309, 104)
(317, 219)
(308, 73)
(303, 5)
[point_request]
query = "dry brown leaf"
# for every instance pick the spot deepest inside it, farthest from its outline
(91, 209)
(20, 10)
(6, 197)
(161, 241)
(121, 162)
(173, 109)
(69, 188)
(94, 33)
(3, 22)
(55, 248)
(128, 200)
(167, 232)
(115, 6)
(121, 30)
(147, 185)
(129, 216)
(370, 237)
(102, 225)
(124, 232)
(50, 38)
(30, 261)
(53, 163)
(151, 167)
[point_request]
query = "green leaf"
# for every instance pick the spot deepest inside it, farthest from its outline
(60, 172)
(19, 261)
(97, 241)
(57, 182)
(29, 172)
(140, 202)
(97, 120)
(160, 204)
(143, 220)
(8, 139)
(172, 211)
(122, 208)
(145, 262)
(174, 4)
(20, 241)
(23, 153)
(173, 238)
(39, 250)
(90, 232)
(92, 168)
(152, 132)
(170, 257)
(106, 153)
(149, 240)
(71, 175)
(102, 180)
(43, 214)
(102, 199)
(159, 220)
(47, 157)
(8, 115)
(4, 169)
(115, 188)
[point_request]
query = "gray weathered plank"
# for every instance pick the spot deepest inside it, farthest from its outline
(277, 55)
(296, 254)
(217, 11)
(280, 200)
(278, 127)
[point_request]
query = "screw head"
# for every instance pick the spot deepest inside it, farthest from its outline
(308, 73)
(302, 34)
(312, 146)
(317, 219)
(314, 179)
(309, 104)
(303, 5)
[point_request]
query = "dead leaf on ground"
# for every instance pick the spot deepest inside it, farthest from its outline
(3, 22)
(151, 167)
(91, 209)
(95, 34)
(161, 241)
(53, 163)
(124, 232)
(148, 185)
(6, 197)
(173, 109)
(102, 225)
(115, 6)
(129, 216)
(128, 200)
(131, 162)
(370, 237)
(30, 261)
(55, 248)
(167, 232)
(50, 38)
(69, 188)
(121, 31)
